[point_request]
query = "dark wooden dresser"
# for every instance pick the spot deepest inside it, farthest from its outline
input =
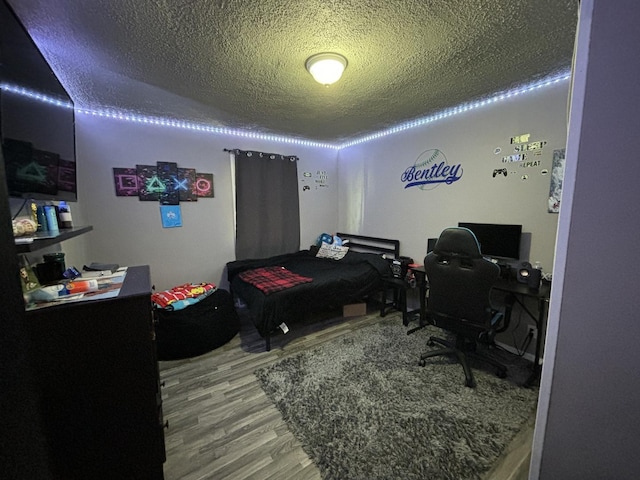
(97, 372)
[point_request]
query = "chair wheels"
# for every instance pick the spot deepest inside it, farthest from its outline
(470, 382)
(501, 373)
(430, 343)
(422, 362)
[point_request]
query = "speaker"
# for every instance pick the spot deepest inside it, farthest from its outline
(534, 278)
(400, 266)
(529, 275)
(522, 272)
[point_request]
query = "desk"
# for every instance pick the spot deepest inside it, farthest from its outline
(520, 291)
(399, 287)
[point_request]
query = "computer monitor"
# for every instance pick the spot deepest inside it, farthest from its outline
(431, 243)
(499, 241)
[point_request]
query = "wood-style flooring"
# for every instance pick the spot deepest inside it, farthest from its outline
(222, 426)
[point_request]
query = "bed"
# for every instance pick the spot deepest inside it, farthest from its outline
(311, 283)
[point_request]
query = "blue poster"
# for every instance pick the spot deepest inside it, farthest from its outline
(171, 216)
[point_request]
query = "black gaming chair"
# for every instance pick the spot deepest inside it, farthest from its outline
(460, 281)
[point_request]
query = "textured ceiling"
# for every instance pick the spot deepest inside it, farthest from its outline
(240, 63)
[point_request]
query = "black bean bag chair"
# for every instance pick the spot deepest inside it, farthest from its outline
(198, 328)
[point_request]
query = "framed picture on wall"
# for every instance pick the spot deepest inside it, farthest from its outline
(168, 178)
(204, 185)
(186, 182)
(126, 182)
(148, 183)
(557, 175)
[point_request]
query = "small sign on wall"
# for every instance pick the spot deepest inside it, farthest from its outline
(522, 153)
(430, 170)
(314, 180)
(171, 216)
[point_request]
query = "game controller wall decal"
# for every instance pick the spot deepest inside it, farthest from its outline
(319, 179)
(522, 153)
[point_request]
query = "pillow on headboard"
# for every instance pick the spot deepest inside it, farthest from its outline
(335, 252)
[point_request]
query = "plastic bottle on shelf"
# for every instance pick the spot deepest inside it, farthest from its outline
(65, 215)
(41, 218)
(52, 221)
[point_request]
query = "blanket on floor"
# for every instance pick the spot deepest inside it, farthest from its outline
(182, 296)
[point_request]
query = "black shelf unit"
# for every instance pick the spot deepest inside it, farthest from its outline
(94, 396)
(39, 243)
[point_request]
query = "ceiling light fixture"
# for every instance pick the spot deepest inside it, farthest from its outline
(326, 68)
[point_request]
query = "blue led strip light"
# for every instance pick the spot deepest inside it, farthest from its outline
(201, 127)
(460, 109)
(34, 95)
(163, 122)
(290, 140)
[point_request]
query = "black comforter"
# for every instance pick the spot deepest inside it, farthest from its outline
(335, 283)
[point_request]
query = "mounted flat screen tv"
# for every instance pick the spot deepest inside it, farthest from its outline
(38, 137)
(499, 241)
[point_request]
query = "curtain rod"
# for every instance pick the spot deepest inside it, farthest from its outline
(289, 157)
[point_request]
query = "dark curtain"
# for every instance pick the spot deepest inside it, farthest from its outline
(267, 210)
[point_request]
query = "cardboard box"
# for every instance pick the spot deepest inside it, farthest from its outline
(354, 310)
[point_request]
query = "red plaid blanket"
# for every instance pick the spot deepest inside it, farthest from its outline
(273, 279)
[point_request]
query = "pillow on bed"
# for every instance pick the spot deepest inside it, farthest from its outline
(335, 252)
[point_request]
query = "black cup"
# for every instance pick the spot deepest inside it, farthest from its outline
(49, 272)
(54, 257)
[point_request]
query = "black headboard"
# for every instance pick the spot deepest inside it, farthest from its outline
(361, 243)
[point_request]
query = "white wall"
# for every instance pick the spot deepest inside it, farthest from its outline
(373, 200)
(588, 416)
(363, 192)
(129, 232)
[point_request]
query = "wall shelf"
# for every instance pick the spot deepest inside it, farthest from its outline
(39, 243)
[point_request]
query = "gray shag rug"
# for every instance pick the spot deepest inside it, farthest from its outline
(364, 409)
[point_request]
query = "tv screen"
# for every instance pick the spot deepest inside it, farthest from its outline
(38, 137)
(500, 241)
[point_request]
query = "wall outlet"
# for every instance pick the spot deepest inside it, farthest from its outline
(533, 331)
